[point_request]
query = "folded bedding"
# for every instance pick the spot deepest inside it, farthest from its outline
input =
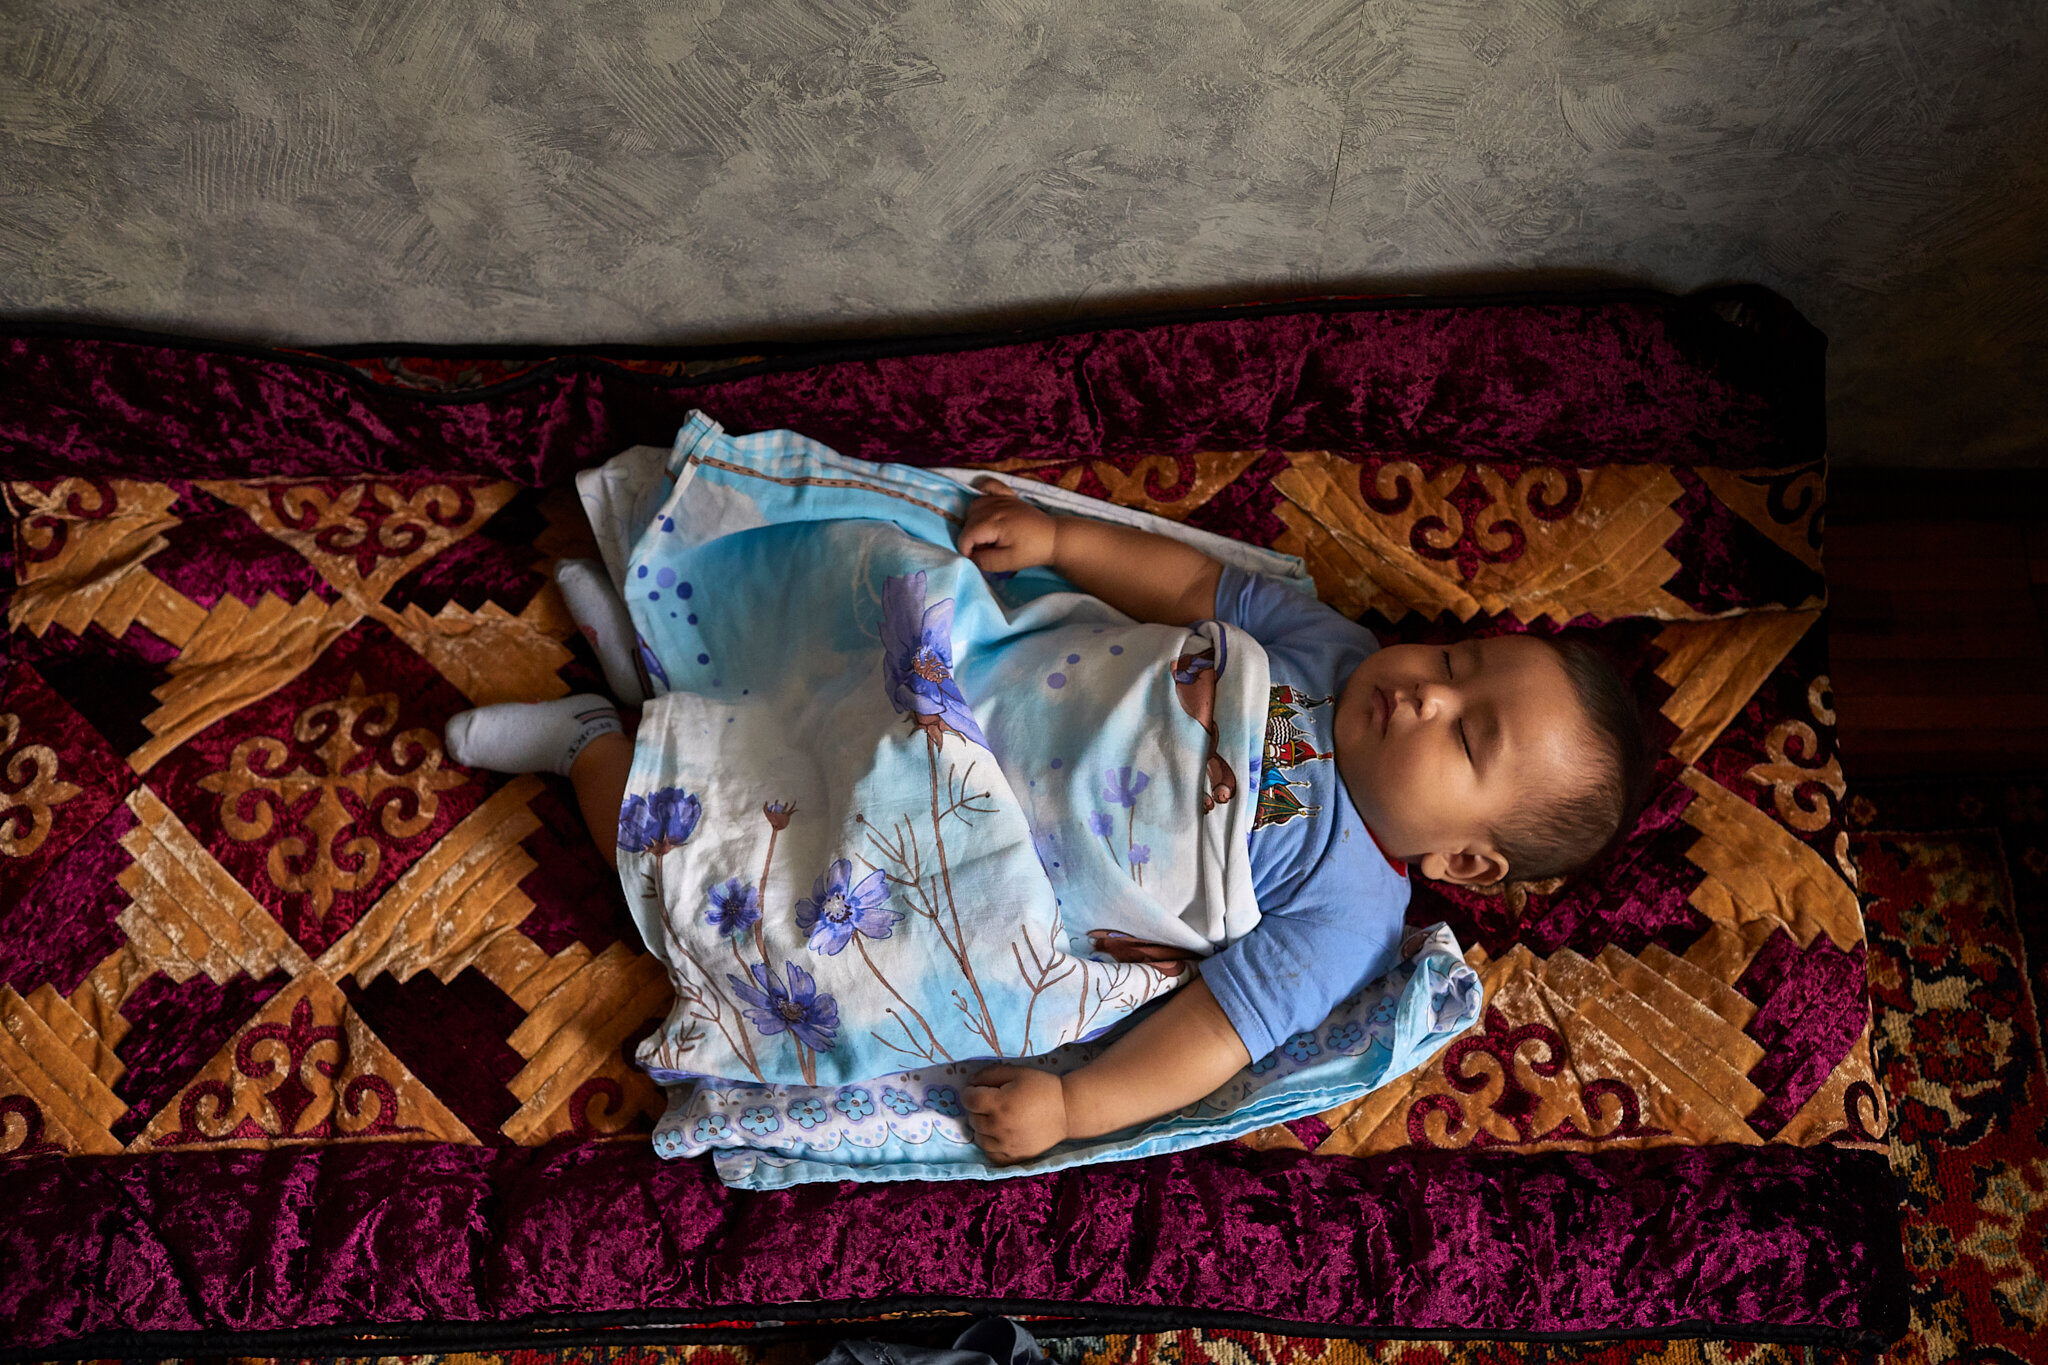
(310, 1029)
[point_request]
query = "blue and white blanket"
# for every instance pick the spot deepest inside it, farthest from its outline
(889, 818)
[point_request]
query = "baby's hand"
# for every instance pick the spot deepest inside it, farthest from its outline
(1004, 533)
(1016, 1112)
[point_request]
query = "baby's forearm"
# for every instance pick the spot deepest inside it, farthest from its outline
(1146, 576)
(1173, 1057)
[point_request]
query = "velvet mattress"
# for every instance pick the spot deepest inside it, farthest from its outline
(315, 1037)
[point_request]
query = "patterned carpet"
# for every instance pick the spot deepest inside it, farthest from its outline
(1955, 874)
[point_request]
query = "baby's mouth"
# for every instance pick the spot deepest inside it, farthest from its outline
(1382, 709)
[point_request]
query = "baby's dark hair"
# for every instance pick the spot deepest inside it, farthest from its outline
(1571, 830)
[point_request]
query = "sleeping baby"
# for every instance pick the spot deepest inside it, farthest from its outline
(968, 716)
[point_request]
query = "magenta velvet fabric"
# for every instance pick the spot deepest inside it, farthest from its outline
(1628, 378)
(1791, 1243)
(1671, 1241)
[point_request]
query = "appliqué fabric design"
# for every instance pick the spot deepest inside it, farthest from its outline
(1288, 746)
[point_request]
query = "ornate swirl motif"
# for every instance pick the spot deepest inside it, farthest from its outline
(1862, 1096)
(1518, 1103)
(584, 1107)
(1548, 493)
(1799, 792)
(346, 758)
(29, 792)
(257, 1057)
(192, 1116)
(1820, 698)
(1185, 471)
(1392, 486)
(1795, 495)
(291, 1097)
(47, 527)
(1476, 516)
(31, 1115)
(369, 522)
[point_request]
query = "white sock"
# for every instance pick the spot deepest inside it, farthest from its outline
(530, 737)
(598, 610)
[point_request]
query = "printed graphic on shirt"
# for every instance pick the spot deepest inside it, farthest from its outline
(1289, 745)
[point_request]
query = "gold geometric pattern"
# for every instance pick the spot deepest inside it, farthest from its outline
(1750, 495)
(491, 655)
(186, 915)
(238, 655)
(1134, 487)
(1758, 871)
(305, 1068)
(446, 909)
(574, 1033)
(1606, 557)
(84, 561)
(1571, 1059)
(364, 537)
(265, 765)
(1574, 1051)
(1715, 667)
(457, 906)
(1851, 1091)
(42, 1062)
(1598, 1053)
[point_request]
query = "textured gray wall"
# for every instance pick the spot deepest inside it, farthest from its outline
(683, 170)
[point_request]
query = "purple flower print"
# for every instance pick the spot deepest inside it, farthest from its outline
(802, 1009)
(658, 822)
(735, 907)
(1100, 825)
(835, 911)
(1120, 786)
(917, 660)
(1140, 854)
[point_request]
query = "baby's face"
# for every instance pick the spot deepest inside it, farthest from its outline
(1437, 743)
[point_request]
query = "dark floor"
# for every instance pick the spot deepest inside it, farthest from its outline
(1938, 585)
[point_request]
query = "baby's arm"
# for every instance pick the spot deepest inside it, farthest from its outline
(1145, 576)
(1174, 1056)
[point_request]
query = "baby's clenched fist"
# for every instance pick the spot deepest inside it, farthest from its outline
(1004, 533)
(1016, 1112)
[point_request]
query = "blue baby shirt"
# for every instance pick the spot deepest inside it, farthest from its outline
(1331, 904)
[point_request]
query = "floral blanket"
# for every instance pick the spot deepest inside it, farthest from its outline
(888, 818)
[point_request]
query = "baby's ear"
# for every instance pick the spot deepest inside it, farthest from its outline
(1471, 867)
